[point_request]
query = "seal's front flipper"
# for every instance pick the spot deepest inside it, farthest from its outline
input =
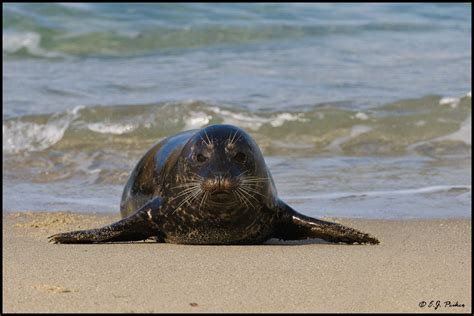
(138, 226)
(295, 226)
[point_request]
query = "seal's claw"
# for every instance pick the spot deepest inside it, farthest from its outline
(58, 238)
(70, 238)
(54, 238)
(296, 226)
(132, 228)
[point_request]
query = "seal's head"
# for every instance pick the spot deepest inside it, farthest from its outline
(222, 166)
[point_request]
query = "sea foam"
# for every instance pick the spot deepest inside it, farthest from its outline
(32, 136)
(30, 41)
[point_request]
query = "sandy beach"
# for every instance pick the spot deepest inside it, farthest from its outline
(417, 262)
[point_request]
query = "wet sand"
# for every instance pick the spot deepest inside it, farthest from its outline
(417, 261)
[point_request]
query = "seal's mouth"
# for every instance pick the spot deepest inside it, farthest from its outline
(220, 195)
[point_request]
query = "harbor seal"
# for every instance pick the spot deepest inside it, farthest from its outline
(208, 186)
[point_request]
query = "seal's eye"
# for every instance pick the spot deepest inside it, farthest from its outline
(240, 157)
(201, 158)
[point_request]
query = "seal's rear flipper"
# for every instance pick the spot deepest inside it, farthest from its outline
(295, 226)
(138, 226)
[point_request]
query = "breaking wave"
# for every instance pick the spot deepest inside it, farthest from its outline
(430, 125)
(41, 42)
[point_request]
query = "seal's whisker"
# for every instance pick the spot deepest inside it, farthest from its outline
(253, 185)
(184, 194)
(204, 141)
(254, 179)
(186, 185)
(187, 189)
(231, 141)
(188, 198)
(209, 140)
(195, 196)
(190, 188)
(203, 199)
(239, 195)
(245, 197)
(242, 173)
(236, 196)
(236, 193)
(233, 137)
(238, 137)
(250, 181)
(194, 174)
(250, 191)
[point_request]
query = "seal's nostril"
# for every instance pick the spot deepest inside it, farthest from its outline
(218, 184)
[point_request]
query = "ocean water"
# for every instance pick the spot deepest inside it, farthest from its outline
(361, 110)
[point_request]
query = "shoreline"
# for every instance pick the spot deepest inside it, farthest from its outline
(417, 261)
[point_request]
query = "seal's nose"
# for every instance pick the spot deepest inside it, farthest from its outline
(219, 183)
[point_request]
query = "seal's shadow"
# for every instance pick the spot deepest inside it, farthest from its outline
(311, 241)
(270, 242)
